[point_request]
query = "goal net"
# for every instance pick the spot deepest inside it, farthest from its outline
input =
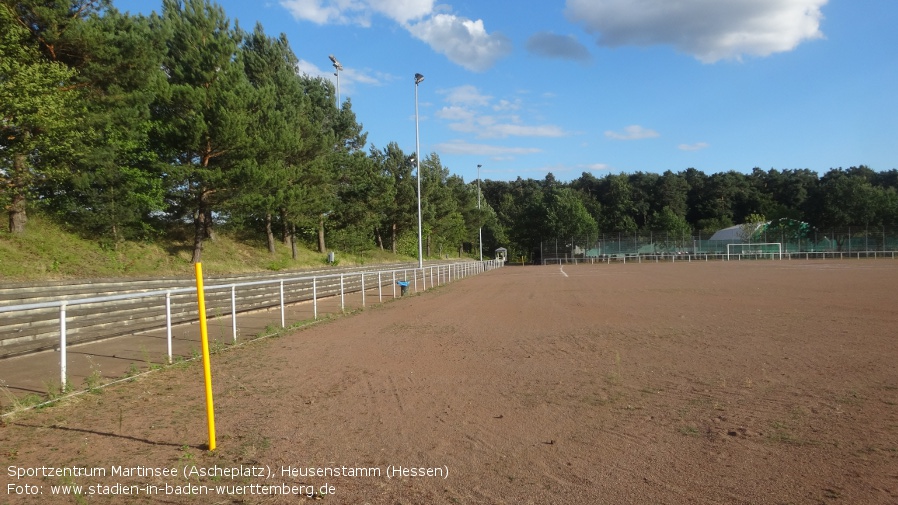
(772, 250)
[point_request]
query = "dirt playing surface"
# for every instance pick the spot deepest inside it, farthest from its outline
(768, 382)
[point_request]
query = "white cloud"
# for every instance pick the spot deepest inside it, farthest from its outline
(463, 41)
(518, 130)
(465, 115)
(349, 77)
(403, 10)
(550, 45)
(698, 146)
(356, 11)
(311, 10)
(505, 105)
(633, 132)
(456, 113)
(710, 30)
(486, 126)
(353, 75)
(597, 167)
(466, 95)
(309, 68)
(461, 147)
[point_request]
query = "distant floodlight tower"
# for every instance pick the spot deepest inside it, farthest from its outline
(337, 68)
(479, 217)
(418, 79)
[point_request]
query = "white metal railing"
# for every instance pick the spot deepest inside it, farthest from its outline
(445, 273)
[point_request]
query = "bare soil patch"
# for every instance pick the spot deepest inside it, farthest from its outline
(722, 382)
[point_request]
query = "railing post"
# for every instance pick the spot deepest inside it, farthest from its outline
(168, 323)
(342, 298)
(394, 284)
(234, 311)
(380, 295)
(62, 347)
(314, 298)
(283, 316)
(363, 290)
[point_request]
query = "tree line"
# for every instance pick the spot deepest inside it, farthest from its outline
(691, 202)
(125, 127)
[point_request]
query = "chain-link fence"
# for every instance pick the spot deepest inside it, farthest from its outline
(860, 242)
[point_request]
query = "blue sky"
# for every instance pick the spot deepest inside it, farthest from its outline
(528, 87)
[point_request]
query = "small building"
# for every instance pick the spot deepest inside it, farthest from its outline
(738, 233)
(501, 254)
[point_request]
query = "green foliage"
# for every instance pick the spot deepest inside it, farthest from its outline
(113, 189)
(787, 230)
(446, 203)
(708, 226)
(282, 140)
(674, 231)
(47, 251)
(400, 210)
(364, 192)
(618, 209)
(843, 199)
(751, 229)
(205, 112)
(567, 215)
(406, 244)
(40, 109)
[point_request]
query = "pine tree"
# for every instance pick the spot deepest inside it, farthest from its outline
(204, 115)
(112, 190)
(39, 105)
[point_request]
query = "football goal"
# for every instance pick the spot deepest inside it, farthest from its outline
(761, 250)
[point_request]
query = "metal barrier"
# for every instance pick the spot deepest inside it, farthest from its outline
(124, 308)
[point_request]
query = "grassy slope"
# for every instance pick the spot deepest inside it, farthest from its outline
(47, 252)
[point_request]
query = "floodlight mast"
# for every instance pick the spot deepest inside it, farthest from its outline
(337, 68)
(479, 217)
(418, 79)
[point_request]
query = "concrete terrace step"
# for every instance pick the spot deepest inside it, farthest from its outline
(36, 329)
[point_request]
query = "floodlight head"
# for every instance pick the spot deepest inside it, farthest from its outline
(478, 166)
(336, 63)
(418, 78)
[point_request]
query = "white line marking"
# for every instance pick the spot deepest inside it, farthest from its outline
(562, 271)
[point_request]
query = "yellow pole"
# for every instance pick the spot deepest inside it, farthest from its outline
(207, 367)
